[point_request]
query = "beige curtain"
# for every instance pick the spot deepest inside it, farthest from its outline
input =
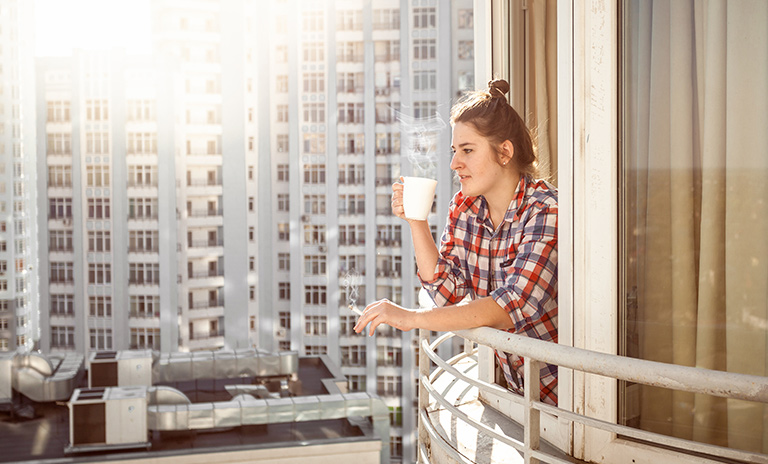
(542, 83)
(697, 206)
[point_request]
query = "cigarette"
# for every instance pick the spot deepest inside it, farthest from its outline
(355, 309)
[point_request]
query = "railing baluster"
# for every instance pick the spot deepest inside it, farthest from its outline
(532, 432)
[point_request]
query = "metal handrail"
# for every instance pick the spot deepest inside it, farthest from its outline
(534, 351)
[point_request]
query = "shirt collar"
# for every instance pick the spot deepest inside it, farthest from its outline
(479, 205)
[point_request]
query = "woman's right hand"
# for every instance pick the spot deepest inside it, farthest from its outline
(397, 199)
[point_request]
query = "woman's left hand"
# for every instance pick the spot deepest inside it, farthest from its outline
(386, 312)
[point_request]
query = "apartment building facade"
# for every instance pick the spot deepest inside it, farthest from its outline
(233, 189)
(19, 321)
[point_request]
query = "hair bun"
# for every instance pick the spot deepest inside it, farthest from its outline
(498, 88)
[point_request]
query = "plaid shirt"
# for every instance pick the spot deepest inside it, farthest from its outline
(516, 265)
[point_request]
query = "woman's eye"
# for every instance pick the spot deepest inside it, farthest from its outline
(467, 150)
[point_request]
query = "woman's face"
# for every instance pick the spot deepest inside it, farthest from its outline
(475, 162)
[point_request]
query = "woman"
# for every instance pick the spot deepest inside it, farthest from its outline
(499, 246)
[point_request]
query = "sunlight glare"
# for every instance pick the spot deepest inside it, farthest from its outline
(64, 25)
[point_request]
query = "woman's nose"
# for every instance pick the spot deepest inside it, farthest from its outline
(455, 162)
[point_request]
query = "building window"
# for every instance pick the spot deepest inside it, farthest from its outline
(284, 291)
(100, 306)
(58, 111)
(389, 385)
(60, 240)
(353, 174)
(251, 263)
(356, 383)
(313, 21)
(314, 51)
(395, 446)
(314, 82)
(282, 143)
(59, 176)
(349, 20)
(251, 204)
(314, 174)
(144, 273)
(315, 264)
(314, 204)
(98, 208)
(353, 356)
(351, 113)
(281, 84)
(424, 18)
(284, 345)
(348, 326)
(142, 208)
(97, 143)
(59, 144)
(424, 49)
(466, 49)
(252, 292)
(144, 306)
(62, 304)
(315, 294)
(283, 202)
(389, 356)
(282, 173)
(143, 241)
(314, 234)
(285, 320)
(282, 113)
(101, 339)
(424, 80)
(62, 272)
(314, 143)
(314, 113)
(352, 234)
(100, 240)
(395, 416)
(145, 338)
(424, 110)
(283, 232)
(142, 175)
(251, 233)
(62, 337)
(352, 204)
(315, 350)
(99, 273)
(284, 261)
(59, 208)
(466, 19)
(281, 54)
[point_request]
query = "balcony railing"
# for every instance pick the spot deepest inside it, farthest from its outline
(534, 351)
(206, 212)
(205, 274)
(205, 243)
(205, 304)
(206, 335)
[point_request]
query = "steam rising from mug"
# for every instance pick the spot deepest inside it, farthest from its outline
(422, 134)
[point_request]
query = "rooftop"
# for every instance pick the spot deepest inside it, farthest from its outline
(45, 436)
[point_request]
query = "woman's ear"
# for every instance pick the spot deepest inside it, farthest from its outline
(506, 152)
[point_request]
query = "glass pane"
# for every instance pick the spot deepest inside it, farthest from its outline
(695, 210)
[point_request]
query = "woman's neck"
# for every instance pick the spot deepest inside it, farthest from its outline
(500, 198)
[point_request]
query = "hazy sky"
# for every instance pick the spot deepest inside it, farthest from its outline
(62, 25)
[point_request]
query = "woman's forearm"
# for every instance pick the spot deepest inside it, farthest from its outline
(424, 248)
(483, 312)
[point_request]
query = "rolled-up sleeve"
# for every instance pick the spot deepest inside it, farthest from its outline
(529, 293)
(449, 285)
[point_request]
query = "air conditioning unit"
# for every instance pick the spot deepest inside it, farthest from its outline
(322, 249)
(305, 218)
(107, 418)
(281, 332)
(120, 368)
(67, 221)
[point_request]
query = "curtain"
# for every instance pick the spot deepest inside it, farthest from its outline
(696, 180)
(542, 83)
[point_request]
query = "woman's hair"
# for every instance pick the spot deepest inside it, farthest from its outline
(494, 118)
